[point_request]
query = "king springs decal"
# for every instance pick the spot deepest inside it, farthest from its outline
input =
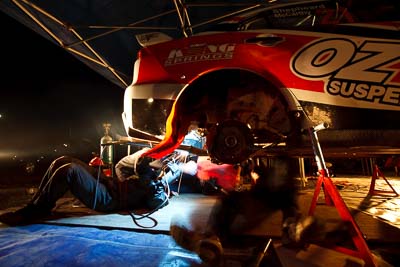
(200, 52)
(367, 72)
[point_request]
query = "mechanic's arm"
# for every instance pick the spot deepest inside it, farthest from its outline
(177, 168)
(125, 169)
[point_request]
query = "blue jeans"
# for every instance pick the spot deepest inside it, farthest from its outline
(97, 191)
(70, 174)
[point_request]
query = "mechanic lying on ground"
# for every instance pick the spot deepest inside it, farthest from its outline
(136, 185)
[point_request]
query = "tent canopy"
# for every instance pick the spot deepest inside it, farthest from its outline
(101, 34)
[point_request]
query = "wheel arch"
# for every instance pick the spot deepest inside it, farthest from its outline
(224, 73)
(220, 74)
(216, 79)
(238, 108)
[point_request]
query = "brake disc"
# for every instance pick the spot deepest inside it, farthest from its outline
(230, 142)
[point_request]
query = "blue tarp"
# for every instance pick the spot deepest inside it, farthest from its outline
(52, 245)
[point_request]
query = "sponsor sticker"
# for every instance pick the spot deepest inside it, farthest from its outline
(200, 52)
(369, 71)
(298, 11)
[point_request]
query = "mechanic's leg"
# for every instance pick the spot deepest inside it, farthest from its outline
(291, 222)
(56, 166)
(57, 163)
(297, 229)
(235, 214)
(78, 178)
(232, 215)
(204, 242)
(66, 174)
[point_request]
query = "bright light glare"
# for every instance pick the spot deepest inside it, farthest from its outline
(150, 100)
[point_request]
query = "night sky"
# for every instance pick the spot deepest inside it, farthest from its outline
(49, 98)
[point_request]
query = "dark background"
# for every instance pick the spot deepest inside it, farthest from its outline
(51, 104)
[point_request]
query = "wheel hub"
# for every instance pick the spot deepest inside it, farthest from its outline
(230, 142)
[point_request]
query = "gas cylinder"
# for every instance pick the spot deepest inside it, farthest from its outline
(106, 150)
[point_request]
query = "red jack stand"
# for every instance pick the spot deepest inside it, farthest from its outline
(375, 175)
(333, 198)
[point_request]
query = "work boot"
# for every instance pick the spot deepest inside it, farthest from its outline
(210, 250)
(297, 233)
(26, 215)
(207, 247)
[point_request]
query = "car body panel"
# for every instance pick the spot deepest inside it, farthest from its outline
(345, 75)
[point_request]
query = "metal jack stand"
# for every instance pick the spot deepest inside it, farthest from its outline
(375, 175)
(333, 198)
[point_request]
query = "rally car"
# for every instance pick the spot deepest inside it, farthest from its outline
(263, 77)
